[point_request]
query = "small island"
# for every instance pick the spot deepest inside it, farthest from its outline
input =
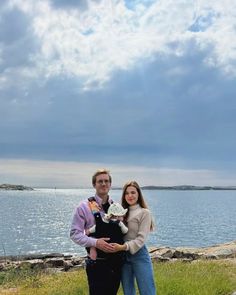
(15, 187)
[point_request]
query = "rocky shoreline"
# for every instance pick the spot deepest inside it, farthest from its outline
(15, 187)
(216, 252)
(56, 262)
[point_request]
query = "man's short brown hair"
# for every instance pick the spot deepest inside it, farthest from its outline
(98, 172)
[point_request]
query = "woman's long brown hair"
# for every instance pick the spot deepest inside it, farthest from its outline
(140, 201)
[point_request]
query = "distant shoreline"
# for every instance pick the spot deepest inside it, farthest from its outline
(188, 187)
(147, 187)
(15, 187)
(184, 187)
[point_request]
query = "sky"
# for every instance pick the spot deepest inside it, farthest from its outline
(144, 88)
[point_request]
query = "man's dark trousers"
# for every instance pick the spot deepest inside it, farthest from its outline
(103, 276)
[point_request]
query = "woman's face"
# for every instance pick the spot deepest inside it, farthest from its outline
(131, 195)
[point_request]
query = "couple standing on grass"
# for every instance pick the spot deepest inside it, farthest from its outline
(114, 237)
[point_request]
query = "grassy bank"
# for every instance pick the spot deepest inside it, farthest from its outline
(175, 278)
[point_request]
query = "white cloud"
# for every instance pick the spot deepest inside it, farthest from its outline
(92, 43)
(220, 33)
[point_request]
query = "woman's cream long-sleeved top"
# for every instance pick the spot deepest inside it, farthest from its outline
(139, 222)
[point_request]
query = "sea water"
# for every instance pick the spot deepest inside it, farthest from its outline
(39, 221)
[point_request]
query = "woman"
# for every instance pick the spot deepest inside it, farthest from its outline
(137, 264)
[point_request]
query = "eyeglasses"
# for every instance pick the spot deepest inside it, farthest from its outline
(101, 181)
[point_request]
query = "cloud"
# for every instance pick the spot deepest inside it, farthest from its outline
(14, 26)
(147, 83)
(176, 113)
(3, 4)
(93, 43)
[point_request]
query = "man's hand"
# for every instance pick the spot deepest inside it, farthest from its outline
(104, 246)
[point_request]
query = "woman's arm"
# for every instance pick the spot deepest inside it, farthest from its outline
(143, 231)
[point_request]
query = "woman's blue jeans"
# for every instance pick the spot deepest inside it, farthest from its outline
(138, 266)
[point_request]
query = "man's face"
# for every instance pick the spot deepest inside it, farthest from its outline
(102, 185)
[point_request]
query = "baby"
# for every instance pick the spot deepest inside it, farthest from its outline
(111, 226)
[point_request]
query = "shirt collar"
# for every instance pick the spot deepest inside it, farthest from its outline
(99, 200)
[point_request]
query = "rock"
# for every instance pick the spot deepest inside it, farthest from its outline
(67, 265)
(54, 262)
(2, 266)
(35, 263)
(165, 252)
(41, 261)
(77, 261)
(6, 265)
(169, 253)
(33, 256)
(209, 256)
(159, 258)
(17, 187)
(186, 255)
(223, 251)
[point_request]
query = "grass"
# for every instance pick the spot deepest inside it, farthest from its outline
(175, 278)
(198, 278)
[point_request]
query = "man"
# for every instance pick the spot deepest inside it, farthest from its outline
(103, 274)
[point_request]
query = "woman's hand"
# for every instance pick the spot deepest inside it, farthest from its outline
(118, 247)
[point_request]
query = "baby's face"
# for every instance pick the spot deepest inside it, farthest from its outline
(120, 218)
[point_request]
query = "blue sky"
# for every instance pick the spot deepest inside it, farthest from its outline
(144, 88)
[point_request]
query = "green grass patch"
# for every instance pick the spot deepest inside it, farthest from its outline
(174, 278)
(198, 278)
